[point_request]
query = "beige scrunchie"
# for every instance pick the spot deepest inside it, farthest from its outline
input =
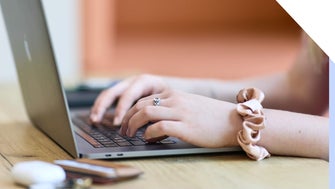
(250, 108)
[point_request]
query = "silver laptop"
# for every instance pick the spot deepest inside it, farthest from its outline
(46, 102)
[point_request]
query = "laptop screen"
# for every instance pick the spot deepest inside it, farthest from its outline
(37, 72)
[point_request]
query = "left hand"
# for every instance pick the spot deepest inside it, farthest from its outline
(195, 119)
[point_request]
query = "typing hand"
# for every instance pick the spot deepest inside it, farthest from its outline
(127, 92)
(195, 119)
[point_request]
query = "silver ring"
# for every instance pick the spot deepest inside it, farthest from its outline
(156, 101)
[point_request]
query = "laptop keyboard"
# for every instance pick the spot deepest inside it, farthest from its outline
(107, 136)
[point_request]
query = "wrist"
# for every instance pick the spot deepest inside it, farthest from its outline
(234, 126)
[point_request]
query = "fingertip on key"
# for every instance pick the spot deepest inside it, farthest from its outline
(94, 118)
(117, 120)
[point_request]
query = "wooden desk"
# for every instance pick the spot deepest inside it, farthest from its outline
(20, 141)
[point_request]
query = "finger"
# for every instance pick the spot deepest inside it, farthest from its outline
(151, 98)
(105, 100)
(149, 114)
(136, 108)
(166, 128)
(154, 140)
(140, 87)
(126, 100)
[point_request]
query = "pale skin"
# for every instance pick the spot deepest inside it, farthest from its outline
(294, 104)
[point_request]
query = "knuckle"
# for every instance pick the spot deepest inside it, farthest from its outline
(147, 111)
(162, 126)
(137, 106)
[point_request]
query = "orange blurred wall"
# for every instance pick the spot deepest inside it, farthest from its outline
(113, 31)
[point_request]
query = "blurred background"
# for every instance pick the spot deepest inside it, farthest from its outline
(113, 39)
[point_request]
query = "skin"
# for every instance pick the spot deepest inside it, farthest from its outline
(190, 108)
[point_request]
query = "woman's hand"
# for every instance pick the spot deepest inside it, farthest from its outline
(192, 118)
(127, 92)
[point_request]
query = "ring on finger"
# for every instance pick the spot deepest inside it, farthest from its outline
(156, 101)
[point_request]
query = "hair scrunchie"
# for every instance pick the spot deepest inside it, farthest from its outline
(250, 108)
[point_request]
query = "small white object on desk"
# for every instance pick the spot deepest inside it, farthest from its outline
(37, 172)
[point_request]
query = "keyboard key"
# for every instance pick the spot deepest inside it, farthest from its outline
(124, 143)
(138, 143)
(108, 136)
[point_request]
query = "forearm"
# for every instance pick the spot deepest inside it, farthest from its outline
(213, 88)
(282, 91)
(292, 134)
(295, 134)
(274, 86)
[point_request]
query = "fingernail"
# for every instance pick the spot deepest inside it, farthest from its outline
(116, 121)
(93, 117)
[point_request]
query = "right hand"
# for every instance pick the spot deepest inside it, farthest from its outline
(127, 92)
(194, 119)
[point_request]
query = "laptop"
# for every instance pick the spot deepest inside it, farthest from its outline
(46, 102)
